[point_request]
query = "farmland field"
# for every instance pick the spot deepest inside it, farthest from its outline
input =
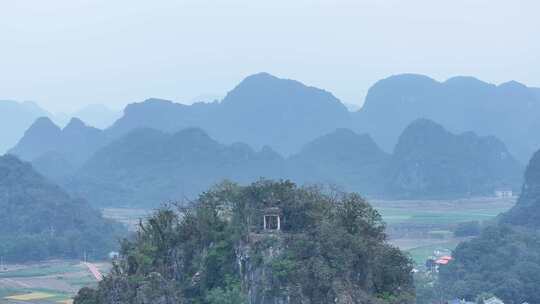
(422, 226)
(45, 282)
(441, 212)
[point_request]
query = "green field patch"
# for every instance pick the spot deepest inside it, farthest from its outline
(42, 270)
(54, 295)
(411, 216)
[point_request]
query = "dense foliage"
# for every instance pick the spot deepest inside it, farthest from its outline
(472, 228)
(526, 212)
(331, 249)
(40, 221)
(503, 260)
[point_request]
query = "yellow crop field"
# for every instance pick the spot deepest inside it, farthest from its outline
(31, 296)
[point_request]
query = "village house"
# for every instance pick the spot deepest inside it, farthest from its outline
(493, 300)
(504, 193)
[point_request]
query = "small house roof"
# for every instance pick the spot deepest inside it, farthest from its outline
(442, 262)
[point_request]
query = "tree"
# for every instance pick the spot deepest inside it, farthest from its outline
(331, 248)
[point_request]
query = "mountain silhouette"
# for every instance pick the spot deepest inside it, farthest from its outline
(431, 162)
(509, 111)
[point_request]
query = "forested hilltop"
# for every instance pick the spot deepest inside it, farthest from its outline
(40, 221)
(505, 259)
(269, 242)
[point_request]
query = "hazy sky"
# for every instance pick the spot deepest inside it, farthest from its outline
(67, 53)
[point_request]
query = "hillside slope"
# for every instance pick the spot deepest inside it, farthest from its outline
(15, 118)
(149, 167)
(342, 158)
(505, 259)
(526, 212)
(65, 148)
(40, 221)
(431, 162)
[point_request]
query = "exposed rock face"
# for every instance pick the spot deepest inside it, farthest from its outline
(254, 259)
(327, 249)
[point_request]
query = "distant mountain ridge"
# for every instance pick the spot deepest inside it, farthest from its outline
(75, 143)
(264, 110)
(147, 167)
(97, 115)
(510, 111)
(15, 118)
(298, 121)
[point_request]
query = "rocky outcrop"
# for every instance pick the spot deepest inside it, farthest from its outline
(229, 248)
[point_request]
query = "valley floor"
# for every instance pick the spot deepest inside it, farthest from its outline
(45, 282)
(419, 227)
